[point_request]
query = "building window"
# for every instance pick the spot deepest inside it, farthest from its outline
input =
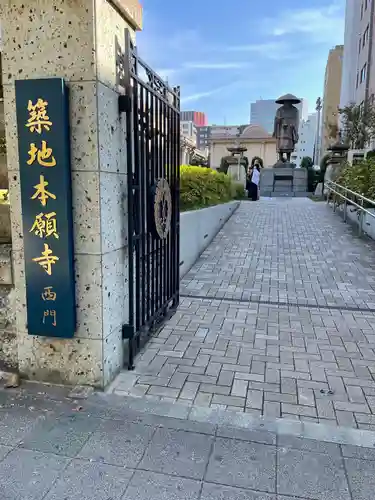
(359, 45)
(363, 73)
(357, 79)
(366, 35)
(362, 11)
(365, 4)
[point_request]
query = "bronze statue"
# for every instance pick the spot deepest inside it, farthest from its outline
(286, 126)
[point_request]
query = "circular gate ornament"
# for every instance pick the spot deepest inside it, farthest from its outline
(162, 208)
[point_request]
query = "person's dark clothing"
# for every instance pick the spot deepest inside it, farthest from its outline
(251, 187)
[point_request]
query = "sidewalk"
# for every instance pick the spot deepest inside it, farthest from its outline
(54, 447)
(277, 318)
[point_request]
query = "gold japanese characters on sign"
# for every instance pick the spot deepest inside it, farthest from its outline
(38, 118)
(45, 223)
(47, 259)
(43, 155)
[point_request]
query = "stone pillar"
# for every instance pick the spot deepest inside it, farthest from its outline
(76, 40)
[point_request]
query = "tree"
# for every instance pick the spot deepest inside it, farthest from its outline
(307, 162)
(357, 124)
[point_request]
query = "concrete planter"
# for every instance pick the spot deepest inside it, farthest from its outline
(198, 228)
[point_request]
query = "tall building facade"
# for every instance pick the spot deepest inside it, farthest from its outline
(203, 137)
(358, 69)
(189, 129)
(306, 141)
(197, 117)
(364, 21)
(350, 54)
(331, 96)
(262, 112)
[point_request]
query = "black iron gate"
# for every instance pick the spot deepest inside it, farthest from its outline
(152, 111)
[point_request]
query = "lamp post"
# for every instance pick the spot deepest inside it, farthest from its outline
(318, 109)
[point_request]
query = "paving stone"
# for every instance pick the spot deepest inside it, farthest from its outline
(23, 472)
(229, 400)
(242, 464)
(83, 480)
(239, 388)
(178, 380)
(255, 399)
(285, 441)
(62, 436)
(263, 437)
(306, 411)
(271, 409)
(226, 378)
(203, 399)
(4, 450)
(353, 407)
(146, 485)
(346, 419)
(189, 391)
(309, 475)
(325, 409)
(204, 379)
(168, 392)
(358, 452)
(14, 426)
(220, 492)
(361, 478)
(118, 443)
(282, 398)
(178, 453)
(215, 389)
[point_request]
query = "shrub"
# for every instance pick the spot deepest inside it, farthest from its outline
(356, 177)
(360, 178)
(238, 191)
(204, 187)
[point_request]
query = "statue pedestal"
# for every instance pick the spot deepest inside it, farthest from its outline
(283, 182)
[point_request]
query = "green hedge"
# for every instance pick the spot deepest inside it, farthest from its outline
(360, 178)
(204, 187)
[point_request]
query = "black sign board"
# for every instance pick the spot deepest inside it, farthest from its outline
(44, 154)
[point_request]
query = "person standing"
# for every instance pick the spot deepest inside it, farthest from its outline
(252, 183)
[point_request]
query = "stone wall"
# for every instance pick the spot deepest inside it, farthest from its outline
(8, 334)
(83, 39)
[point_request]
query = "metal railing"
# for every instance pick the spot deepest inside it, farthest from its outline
(351, 198)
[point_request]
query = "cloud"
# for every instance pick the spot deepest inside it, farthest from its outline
(167, 73)
(199, 95)
(278, 50)
(324, 24)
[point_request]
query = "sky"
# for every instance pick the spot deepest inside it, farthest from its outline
(226, 54)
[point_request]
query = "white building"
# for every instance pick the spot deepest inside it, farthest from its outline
(350, 57)
(307, 135)
(189, 130)
(262, 112)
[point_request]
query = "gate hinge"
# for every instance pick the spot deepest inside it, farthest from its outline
(124, 104)
(127, 331)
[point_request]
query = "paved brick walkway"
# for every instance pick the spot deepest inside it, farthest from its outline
(277, 318)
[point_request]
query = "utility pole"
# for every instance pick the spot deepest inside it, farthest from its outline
(318, 109)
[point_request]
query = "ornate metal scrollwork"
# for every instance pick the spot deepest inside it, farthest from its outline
(162, 208)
